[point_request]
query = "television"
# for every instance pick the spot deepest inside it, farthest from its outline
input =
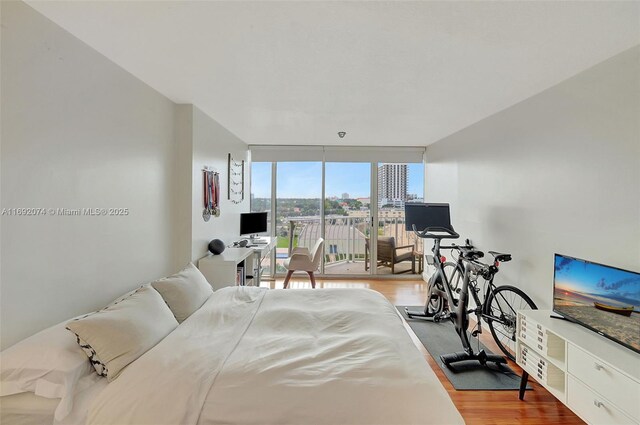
(426, 215)
(602, 298)
(253, 223)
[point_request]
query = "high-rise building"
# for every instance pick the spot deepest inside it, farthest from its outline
(392, 185)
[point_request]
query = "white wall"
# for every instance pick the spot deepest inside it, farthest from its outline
(211, 145)
(559, 172)
(79, 131)
(204, 142)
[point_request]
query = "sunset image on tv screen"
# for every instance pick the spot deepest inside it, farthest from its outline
(604, 298)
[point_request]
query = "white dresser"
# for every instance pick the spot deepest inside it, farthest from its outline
(595, 377)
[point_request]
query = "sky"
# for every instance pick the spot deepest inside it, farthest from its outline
(303, 179)
(581, 276)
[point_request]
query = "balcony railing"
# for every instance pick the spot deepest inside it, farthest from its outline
(346, 238)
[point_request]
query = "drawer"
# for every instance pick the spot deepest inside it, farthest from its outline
(605, 380)
(529, 325)
(538, 338)
(593, 408)
(539, 368)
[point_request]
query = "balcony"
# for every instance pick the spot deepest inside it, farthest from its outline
(346, 241)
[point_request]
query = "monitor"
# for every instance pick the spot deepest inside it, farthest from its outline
(253, 223)
(426, 215)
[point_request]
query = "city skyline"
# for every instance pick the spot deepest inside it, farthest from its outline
(304, 179)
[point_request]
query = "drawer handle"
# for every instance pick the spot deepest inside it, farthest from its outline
(598, 366)
(598, 404)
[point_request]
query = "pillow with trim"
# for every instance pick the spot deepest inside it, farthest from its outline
(114, 337)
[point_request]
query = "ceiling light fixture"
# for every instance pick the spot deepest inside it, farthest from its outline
(341, 134)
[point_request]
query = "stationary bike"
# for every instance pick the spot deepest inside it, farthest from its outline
(443, 304)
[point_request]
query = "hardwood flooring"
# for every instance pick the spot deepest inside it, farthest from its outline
(476, 407)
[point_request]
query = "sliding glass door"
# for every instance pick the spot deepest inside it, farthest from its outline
(298, 208)
(398, 250)
(347, 218)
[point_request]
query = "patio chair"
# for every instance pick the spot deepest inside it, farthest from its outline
(388, 254)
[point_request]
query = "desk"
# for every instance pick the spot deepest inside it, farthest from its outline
(220, 270)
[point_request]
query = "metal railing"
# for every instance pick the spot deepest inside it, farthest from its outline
(346, 238)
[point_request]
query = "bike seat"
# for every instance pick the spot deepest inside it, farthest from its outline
(503, 258)
(472, 254)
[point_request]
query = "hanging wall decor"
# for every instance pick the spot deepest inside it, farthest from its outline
(211, 195)
(235, 184)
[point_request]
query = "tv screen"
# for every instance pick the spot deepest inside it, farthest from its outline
(252, 223)
(426, 215)
(602, 298)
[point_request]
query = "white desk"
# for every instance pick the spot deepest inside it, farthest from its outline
(220, 270)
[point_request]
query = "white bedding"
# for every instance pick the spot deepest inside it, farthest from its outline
(30, 409)
(254, 356)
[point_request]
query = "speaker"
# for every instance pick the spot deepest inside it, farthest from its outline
(216, 247)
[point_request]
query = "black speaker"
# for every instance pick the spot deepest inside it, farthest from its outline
(216, 247)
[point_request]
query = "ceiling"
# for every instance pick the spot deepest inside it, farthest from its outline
(387, 73)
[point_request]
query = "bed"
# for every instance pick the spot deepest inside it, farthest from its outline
(256, 356)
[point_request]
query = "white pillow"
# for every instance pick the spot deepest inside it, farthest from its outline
(123, 331)
(49, 364)
(184, 292)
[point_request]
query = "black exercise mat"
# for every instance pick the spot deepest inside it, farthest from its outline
(441, 338)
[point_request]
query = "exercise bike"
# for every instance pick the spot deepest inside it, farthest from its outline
(441, 302)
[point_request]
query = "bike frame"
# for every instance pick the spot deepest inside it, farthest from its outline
(482, 306)
(439, 274)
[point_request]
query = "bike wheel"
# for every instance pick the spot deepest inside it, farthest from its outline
(501, 308)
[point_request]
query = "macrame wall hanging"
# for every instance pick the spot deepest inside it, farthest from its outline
(236, 180)
(211, 195)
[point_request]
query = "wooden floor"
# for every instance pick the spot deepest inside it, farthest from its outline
(357, 267)
(476, 407)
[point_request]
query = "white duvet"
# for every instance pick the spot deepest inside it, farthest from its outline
(255, 356)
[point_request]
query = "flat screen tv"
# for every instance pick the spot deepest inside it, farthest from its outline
(602, 298)
(253, 223)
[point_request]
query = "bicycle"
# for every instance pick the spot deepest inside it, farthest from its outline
(497, 307)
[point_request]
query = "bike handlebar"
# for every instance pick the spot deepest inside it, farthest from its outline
(425, 234)
(466, 246)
